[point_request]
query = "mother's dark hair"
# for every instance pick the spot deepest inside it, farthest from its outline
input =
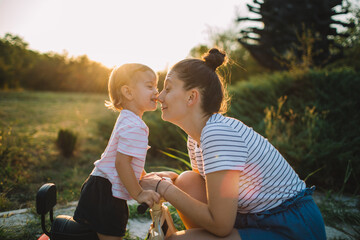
(201, 73)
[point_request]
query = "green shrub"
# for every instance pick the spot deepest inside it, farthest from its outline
(105, 126)
(163, 135)
(293, 133)
(66, 141)
(310, 116)
(315, 129)
(14, 164)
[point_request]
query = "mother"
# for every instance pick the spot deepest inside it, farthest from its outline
(241, 187)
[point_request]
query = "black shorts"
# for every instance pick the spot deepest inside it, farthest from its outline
(98, 208)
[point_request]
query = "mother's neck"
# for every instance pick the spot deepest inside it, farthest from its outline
(193, 124)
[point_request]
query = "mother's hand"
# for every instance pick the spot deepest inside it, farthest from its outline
(149, 181)
(168, 174)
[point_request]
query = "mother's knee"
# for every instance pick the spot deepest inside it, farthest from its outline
(193, 184)
(188, 178)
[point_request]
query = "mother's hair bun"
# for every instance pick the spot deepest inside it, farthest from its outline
(214, 58)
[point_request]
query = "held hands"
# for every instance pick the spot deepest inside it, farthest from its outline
(149, 181)
(156, 183)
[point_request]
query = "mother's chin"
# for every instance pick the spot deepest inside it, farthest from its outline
(164, 113)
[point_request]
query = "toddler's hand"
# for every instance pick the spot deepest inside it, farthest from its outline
(148, 197)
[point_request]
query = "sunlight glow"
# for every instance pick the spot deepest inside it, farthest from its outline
(157, 33)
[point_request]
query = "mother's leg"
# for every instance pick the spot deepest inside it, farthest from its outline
(201, 234)
(193, 184)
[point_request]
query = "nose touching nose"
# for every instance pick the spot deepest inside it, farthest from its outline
(158, 98)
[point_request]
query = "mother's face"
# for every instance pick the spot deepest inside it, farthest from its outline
(173, 99)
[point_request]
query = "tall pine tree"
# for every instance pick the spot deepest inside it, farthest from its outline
(290, 27)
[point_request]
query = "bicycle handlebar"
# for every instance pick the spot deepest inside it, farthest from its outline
(142, 208)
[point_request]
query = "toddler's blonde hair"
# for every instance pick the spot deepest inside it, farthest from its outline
(119, 77)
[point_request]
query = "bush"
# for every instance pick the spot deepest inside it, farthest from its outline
(66, 141)
(162, 135)
(14, 167)
(316, 128)
(310, 116)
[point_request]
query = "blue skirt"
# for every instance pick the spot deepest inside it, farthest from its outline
(296, 218)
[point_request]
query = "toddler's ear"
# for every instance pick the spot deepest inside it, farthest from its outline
(126, 91)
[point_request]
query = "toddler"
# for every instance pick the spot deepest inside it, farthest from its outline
(115, 177)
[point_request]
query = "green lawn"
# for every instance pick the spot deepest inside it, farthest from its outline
(30, 121)
(29, 124)
(29, 157)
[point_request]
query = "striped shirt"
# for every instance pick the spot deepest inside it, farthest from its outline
(266, 179)
(130, 137)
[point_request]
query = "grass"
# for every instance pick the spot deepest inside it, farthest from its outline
(310, 117)
(29, 125)
(31, 231)
(29, 156)
(342, 213)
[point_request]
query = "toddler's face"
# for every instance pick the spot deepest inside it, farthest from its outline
(146, 91)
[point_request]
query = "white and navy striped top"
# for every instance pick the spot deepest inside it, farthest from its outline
(266, 179)
(130, 137)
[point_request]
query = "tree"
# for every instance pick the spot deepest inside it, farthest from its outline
(13, 61)
(241, 64)
(287, 24)
(351, 43)
(21, 67)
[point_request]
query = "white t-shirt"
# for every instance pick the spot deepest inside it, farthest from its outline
(266, 179)
(130, 137)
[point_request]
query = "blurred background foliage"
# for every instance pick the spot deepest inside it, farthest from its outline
(22, 68)
(308, 111)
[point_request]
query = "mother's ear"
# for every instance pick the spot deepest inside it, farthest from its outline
(193, 97)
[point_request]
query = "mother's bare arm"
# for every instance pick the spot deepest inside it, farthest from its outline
(218, 215)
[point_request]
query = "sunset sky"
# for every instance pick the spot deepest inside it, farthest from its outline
(154, 32)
